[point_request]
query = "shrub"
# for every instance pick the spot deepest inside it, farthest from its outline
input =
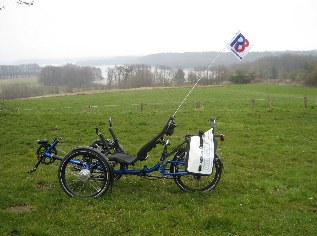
(240, 77)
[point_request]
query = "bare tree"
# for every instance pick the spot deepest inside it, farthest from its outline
(20, 2)
(192, 77)
(28, 3)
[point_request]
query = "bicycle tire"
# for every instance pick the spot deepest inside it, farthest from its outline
(196, 182)
(85, 172)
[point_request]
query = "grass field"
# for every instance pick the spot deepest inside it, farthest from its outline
(30, 80)
(269, 186)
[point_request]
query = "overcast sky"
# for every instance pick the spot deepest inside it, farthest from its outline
(103, 28)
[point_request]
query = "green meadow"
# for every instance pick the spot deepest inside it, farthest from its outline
(268, 187)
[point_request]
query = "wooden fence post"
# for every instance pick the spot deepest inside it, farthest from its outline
(198, 104)
(253, 103)
(305, 102)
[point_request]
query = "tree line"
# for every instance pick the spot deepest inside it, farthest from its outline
(300, 69)
(69, 75)
(287, 68)
(18, 71)
(134, 76)
(52, 80)
(295, 69)
(139, 75)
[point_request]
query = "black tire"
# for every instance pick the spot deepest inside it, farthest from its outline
(98, 144)
(84, 172)
(197, 182)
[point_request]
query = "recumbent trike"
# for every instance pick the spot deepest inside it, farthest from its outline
(90, 171)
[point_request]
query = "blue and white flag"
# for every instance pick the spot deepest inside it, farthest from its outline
(239, 45)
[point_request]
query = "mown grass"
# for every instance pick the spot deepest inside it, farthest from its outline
(268, 187)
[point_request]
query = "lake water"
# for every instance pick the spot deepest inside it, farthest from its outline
(104, 70)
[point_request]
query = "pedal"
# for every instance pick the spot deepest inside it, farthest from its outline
(32, 170)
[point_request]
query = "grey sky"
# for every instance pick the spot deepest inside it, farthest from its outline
(102, 28)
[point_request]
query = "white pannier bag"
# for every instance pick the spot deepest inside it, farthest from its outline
(200, 153)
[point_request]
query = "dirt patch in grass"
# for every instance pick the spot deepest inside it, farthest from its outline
(44, 186)
(21, 208)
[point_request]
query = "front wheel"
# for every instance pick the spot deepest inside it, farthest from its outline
(84, 172)
(196, 182)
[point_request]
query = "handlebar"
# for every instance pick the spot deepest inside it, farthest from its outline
(102, 138)
(110, 122)
(112, 132)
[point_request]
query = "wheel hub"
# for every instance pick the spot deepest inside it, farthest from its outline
(84, 175)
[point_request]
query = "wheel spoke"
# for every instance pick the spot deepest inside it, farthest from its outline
(79, 181)
(195, 182)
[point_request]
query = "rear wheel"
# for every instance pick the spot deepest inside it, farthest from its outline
(196, 182)
(84, 172)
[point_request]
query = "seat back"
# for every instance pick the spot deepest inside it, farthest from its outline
(167, 129)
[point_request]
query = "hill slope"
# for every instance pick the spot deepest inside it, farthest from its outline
(189, 59)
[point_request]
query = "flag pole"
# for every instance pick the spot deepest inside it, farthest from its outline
(180, 105)
(239, 46)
